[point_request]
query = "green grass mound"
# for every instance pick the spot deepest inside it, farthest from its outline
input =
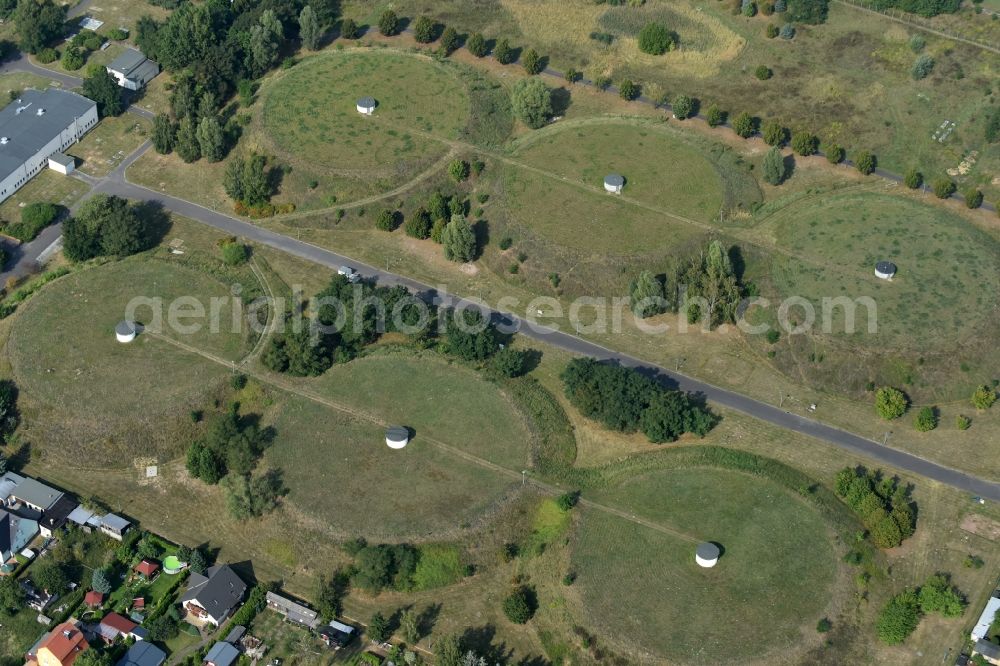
(309, 113)
(341, 472)
(660, 169)
(65, 357)
(643, 587)
(947, 281)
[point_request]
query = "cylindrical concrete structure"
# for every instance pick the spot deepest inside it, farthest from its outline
(707, 555)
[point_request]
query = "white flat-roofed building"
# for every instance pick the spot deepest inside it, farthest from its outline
(36, 126)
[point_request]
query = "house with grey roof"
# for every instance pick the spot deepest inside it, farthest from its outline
(15, 533)
(114, 526)
(213, 597)
(293, 611)
(132, 70)
(34, 127)
(222, 654)
(989, 651)
(35, 494)
(143, 653)
(8, 482)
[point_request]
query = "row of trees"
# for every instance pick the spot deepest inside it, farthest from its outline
(622, 399)
(883, 504)
(705, 285)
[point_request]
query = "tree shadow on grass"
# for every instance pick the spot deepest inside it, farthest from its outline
(561, 101)
(155, 222)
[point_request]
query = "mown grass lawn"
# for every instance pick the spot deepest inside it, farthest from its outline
(642, 587)
(114, 139)
(659, 169)
(65, 357)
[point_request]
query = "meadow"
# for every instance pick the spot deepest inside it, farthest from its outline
(770, 587)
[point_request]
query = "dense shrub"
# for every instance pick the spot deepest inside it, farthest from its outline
(834, 153)
(656, 39)
(913, 179)
(388, 23)
(865, 162)
(805, 143)
(771, 31)
(627, 89)
(744, 124)
(682, 106)
(899, 618)
(476, 45)
(774, 167)
(883, 505)
(890, 403)
(943, 187)
(763, 72)
(503, 53)
(926, 419)
(532, 62)
(774, 133)
(715, 116)
(973, 198)
(234, 253)
(531, 101)
(424, 30)
(34, 218)
(922, 66)
(519, 606)
(348, 29)
(808, 11)
(983, 397)
(418, 224)
(787, 31)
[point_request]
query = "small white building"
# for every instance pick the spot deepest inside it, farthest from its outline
(366, 105)
(132, 70)
(614, 183)
(707, 555)
(62, 163)
(36, 126)
(885, 270)
(397, 437)
(125, 331)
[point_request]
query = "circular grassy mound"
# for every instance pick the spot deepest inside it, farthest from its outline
(309, 115)
(66, 360)
(342, 474)
(642, 586)
(947, 270)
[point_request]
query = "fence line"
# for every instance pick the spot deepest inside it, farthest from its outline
(909, 19)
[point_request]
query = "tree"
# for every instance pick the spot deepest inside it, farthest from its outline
(72, 58)
(234, 253)
(943, 187)
(774, 166)
(627, 89)
(682, 106)
(163, 134)
(93, 657)
(265, 42)
(458, 170)
(669, 415)
(992, 131)
(447, 651)
(198, 564)
(252, 496)
(865, 162)
(105, 225)
(926, 419)
(101, 87)
(211, 139)
(502, 52)
(449, 41)
(518, 606)
(378, 628)
(509, 362)
(808, 11)
(476, 45)
(386, 220)
(99, 581)
(656, 39)
(787, 31)
(890, 403)
(348, 29)
(531, 101)
(330, 595)
(834, 154)
(409, 626)
(161, 628)
(418, 224)
(922, 66)
(11, 595)
(469, 335)
(715, 116)
(459, 240)
(973, 198)
(50, 576)
(763, 72)
(647, 296)
(424, 30)
(899, 618)
(805, 143)
(39, 23)
(938, 595)
(245, 180)
(309, 29)
(913, 179)
(983, 397)
(388, 23)
(774, 133)
(743, 125)
(187, 146)
(532, 62)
